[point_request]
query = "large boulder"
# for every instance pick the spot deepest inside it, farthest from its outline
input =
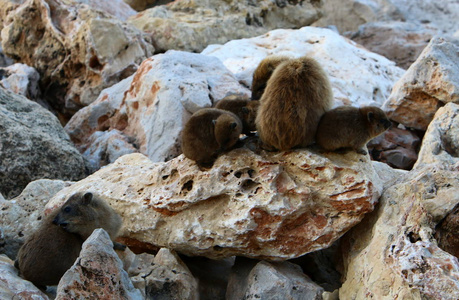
(33, 145)
(358, 77)
(147, 111)
(175, 26)
(78, 50)
(268, 205)
(430, 82)
(393, 254)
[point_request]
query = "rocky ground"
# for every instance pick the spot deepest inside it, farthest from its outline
(94, 95)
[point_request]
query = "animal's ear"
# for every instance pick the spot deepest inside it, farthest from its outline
(214, 122)
(87, 198)
(245, 110)
(233, 125)
(370, 116)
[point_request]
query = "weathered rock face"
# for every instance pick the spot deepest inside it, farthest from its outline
(401, 42)
(272, 205)
(21, 216)
(372, 76)
(33, 145)
(117, 8)
(175, 27)
(147, 111)
(14, 287)
(431, 82)
(98, 272)
(77, 50)
(21, 79)
(392, 254)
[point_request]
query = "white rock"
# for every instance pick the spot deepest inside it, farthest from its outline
(21, 79)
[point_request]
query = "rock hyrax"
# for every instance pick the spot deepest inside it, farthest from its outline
(263, 72)
(348, 127)
(242, 107)
(296, 96)
(209, 132)
(51, 250)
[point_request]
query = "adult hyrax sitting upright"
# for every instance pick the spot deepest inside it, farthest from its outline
(348, 127)
(263, 72)
(51, 250)
(242, 107)
(296, 96)
(209, 132)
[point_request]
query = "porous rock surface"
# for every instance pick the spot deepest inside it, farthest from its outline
(147, 111)
(273, 205)
(78, 50)
(357, 76)
(33, 145)
(430, 82)
(97, 273)
(175, 26)
(393, 253)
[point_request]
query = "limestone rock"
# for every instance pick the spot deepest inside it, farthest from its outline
(401, 42)
(21, 79)
(19, 217)
(147, 111)
(175, 27)
(430, 82)
(117, 8)
(358, 77)
(14, 287)
(273, 205)
(98, 272)
(446, 232)
(77, 49)
(33, 145)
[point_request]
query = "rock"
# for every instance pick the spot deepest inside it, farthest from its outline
(446, 232)
(117, 8)
(21, 79)
(238, 278)
(401, 42)
(14, 287)
(170, 278)
(396, 147)
(21, 216)
(140, 5)
(279, 280)
(147, 111)
(77, 50)
(174, 26)
(371, 75)
(98, 271)
(33, 145)
(274, 205)
(4, 60)
(392, 254)
(430, 82)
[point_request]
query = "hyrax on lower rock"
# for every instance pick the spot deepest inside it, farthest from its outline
(242, 107)
(51, 250)
(263, 72)
(296, 96)
(209, 132)
(348, 127)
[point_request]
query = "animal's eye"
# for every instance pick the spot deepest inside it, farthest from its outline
(67, 209)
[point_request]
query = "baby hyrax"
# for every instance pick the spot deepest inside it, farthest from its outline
(296, 96)
(263, 72)
(348, 127)
(51, 250)
(209, 132)
(242, 107)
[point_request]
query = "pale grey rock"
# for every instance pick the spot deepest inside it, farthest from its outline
(430, 82)
(14, 287)
(21, 79)
(21, 216)
(117, 8)
(33, 145)
(97, 271)
(175, 26)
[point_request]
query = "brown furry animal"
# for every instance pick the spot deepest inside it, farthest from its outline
(209, 132)
(51, 250)
(263, 72)
(297, 95)
(242, 107)
(351, 127)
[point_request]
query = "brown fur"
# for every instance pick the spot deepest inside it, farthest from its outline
(263, 72)
(242, 107)
(51, 250)
(297, 95)
(351, 127)
(209, 132)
